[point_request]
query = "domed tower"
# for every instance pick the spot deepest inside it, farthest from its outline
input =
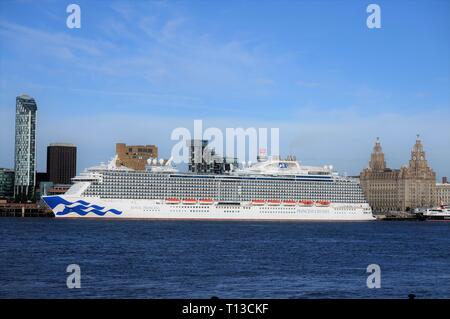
(418, 180)
(377, 162)
(418, 160)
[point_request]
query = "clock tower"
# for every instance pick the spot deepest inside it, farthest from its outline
(418, 160)
(377, 162)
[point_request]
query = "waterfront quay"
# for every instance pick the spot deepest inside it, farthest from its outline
(24, 210)
(397, 215)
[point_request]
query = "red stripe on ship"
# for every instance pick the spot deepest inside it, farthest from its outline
(258, 202)
(206, 201)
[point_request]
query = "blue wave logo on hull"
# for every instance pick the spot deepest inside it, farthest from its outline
(79, 207)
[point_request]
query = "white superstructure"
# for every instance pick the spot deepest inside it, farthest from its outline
(271, 190)
(438, 213)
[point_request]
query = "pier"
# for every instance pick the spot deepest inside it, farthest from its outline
(397, 216)
(24, 210)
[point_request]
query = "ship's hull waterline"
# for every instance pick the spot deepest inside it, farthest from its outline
(90, 207)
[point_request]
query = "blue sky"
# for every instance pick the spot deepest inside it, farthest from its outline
(138, 69)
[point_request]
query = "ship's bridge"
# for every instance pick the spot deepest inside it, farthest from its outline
(94, 173)
(276, 166)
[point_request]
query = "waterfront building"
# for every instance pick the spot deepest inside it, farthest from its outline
(61, 162)
(44, 187)
(443, 192)
(135, 156)
(6, 183)
(411, 186)
(48, 189)
(41, 177)
(25, 148)
(57, 189)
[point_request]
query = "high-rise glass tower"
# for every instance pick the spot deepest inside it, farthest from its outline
(25, 149)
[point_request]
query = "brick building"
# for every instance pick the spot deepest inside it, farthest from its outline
(135, 156)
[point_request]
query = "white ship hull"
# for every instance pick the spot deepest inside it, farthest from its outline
(91, 207)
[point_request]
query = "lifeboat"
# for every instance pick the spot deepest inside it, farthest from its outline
(189, 201)
(206, 201)
(274, 202)
(172, 201)
(289, 202)
(258, 202)
(306, 203)
(323, 203)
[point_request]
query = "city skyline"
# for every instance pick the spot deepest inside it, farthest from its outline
(225, 158)
(318, 73)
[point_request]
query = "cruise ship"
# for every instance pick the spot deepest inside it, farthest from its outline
(274, 189)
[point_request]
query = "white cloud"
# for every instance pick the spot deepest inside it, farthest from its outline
(51, 42)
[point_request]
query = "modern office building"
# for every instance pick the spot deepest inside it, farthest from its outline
(412, 186)
(61, 163)
(135, 156)
(25, 148)
(6, 183)
(41, 177)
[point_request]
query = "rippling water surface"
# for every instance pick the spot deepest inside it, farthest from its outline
(185, 259)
